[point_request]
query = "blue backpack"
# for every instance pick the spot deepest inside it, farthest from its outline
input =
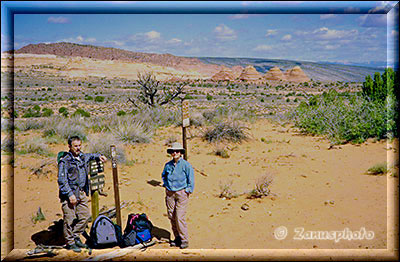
(138, 230)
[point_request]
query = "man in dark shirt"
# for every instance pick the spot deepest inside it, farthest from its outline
(73, 182)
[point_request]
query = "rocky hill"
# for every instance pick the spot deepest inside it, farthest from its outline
(206, 66)
(108, 53)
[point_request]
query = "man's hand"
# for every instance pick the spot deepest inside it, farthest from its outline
(103, 158)
(72, 200)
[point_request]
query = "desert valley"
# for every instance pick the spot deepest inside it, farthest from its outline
(316, 182)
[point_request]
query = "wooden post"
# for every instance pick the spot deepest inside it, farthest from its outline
(95, 204)
(116, 187)
(185, 123)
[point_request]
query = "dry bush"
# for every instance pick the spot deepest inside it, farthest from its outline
(36, 146)
(101, 142)
(231, 131)
(226, 190)
(261, 187)
(221, 151)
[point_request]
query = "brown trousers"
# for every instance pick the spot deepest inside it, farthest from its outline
(177, 203)
(75, 218)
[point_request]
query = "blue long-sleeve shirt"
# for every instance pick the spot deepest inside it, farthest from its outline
(179, 176)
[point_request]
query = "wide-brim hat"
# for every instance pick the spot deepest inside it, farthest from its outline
(176, 146)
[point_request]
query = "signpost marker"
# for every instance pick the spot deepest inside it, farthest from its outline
(185, 123)
(115, 180)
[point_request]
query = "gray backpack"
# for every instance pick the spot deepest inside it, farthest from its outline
(104, 233)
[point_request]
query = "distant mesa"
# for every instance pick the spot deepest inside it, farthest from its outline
(296, 74)
(250, 74)
(275, 74)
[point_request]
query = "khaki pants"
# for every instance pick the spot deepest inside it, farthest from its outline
(75, 218)
(176, 208)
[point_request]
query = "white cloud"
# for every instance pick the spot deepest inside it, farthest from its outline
(244, 16)
(373, 20)
(224, 33)
(331, 47)
(174, 41)
(152, 35)
(57, 20)
(325, 33)
(78, 39)
(327, 16)
(287, 37)
(262, 48)
(271, 32)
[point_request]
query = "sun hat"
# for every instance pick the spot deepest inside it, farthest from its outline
(176, 146)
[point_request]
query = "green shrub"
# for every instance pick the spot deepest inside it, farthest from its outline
(378, 169)
(63, 111)
(81, 112)
(47, 112)
(99, 99)
(32, 112)
(121, 113)
(209, 97)
(342, 119)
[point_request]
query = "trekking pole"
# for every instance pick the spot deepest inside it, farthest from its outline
(116, 187)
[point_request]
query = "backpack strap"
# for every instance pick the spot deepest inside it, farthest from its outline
(61, 155)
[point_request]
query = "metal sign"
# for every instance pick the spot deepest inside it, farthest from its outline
(97, 182)
(185, 113)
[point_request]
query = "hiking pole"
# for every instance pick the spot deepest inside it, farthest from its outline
(116, 188)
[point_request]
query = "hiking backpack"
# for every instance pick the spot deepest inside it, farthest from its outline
(138, 230)
(104, 233)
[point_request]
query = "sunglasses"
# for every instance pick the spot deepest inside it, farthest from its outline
(175, 151)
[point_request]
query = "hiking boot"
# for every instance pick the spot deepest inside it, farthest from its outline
(79, 243)
(184, 245)
(176, 242)
(74, 248)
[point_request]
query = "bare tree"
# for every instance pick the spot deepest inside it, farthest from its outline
(153, 93)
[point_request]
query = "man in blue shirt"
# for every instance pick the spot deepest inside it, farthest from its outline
(73, 185)
(178, 179)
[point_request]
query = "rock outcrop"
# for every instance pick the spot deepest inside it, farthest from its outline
(225, 74)
(250, 74)
(296, 74)
(274, 74)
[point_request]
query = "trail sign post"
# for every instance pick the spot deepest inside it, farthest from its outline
(115, 180)
(185, 123)
(96, 169)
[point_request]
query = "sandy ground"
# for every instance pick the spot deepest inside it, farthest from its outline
(317, 188)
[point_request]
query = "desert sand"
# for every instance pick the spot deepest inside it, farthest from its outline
(316, 187)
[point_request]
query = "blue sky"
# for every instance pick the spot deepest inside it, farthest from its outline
(343, 32)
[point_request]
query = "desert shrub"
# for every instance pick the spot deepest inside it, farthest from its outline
(209, 97)
(7, 125)
(378, 169)
(170, 140)
(63, 111)
(87, 97)
(158, 117)
(132, 132)
(46, 112)
(65, 128)
(101, 142)
(231, 131)
(29, 124)
(227, 191)
(99, 99)
(81, 112)
(197, 120)
(261, 188)
(232, 113)
(342, 119)
(32, 112)
(221, 151)
(121, 113)
(34, 145)
(7, 144)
